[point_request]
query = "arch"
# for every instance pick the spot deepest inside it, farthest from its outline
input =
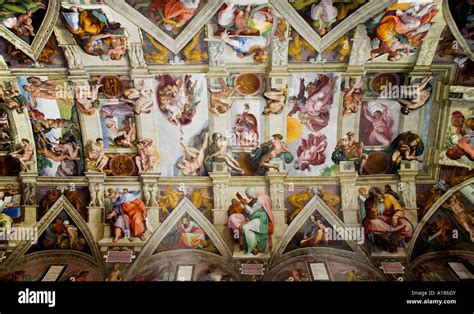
(174, 45)
(184, 207)
(177, 256)
(58, 257)
(315, 204)
(61, 204)
(323, 254)
(441, 255)
(455, 30)
(42, 36)
(367, 11)
(21, 124)
(431, 212)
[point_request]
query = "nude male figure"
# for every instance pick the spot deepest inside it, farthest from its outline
(24, 154)
(277, 147)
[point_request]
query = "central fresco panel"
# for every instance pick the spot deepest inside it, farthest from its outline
(188, 140)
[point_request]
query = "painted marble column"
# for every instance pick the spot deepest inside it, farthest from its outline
(20, 122)
(220, 184)
(408, 173)
(91, 128)
(359, 52)
(279, 57)
(347, 177)
(28, 182)
(218, 122)
(136, 59)
(217, 71)
(150, 193)
(276, 181)
(74, 61)
(430, 43)
(96, 209)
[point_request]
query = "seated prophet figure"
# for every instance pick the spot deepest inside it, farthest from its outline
(247, 31)
(174, 13)
(385, 222)
(259, 228)
(98, 36)
(128, 216)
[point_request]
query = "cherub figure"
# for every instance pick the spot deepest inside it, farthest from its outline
(148, 155)
(221, 100)
(84, 102)
(25, 154)
(218, 151)
(141, 100)
(12, 99)
(191, 166)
